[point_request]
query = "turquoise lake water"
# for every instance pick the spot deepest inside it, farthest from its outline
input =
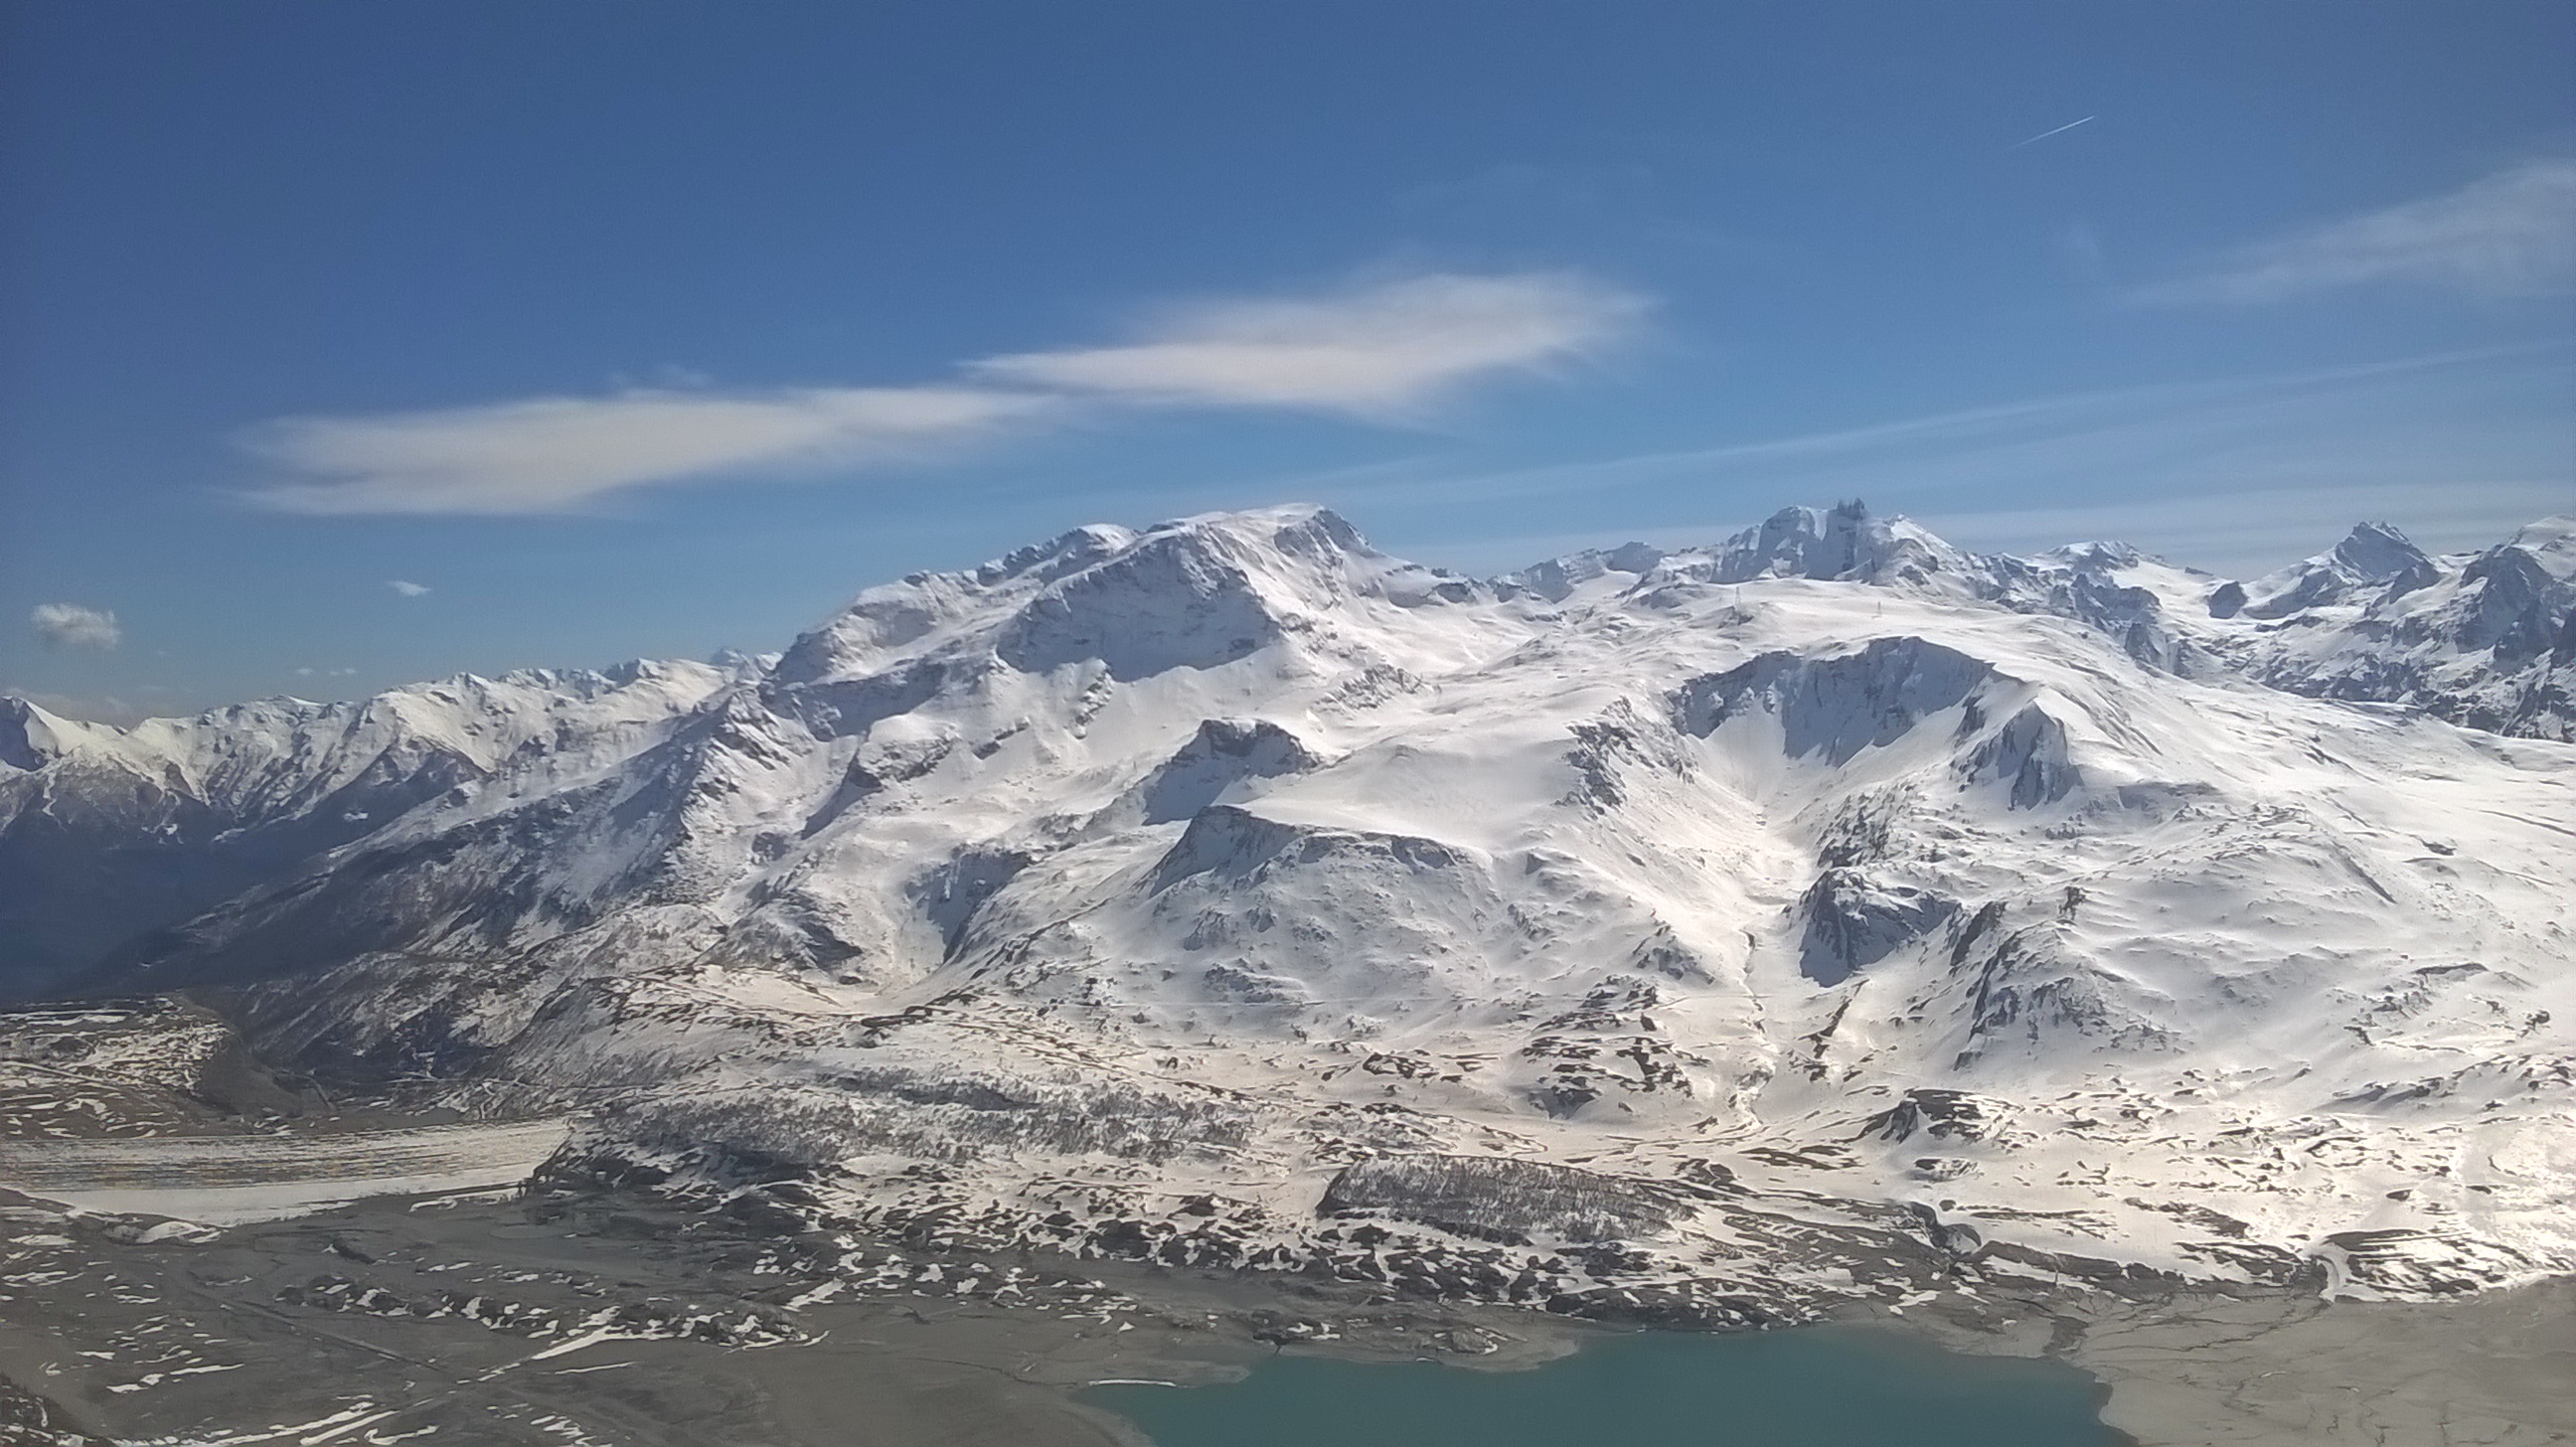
(1822, 1387)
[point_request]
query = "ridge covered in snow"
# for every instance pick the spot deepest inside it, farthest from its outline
(1233, 884)
(105, 830)
(2486, 639)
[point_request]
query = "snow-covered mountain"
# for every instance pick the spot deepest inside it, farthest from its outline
(1234, 891)
(108, 832)
(2485, 639)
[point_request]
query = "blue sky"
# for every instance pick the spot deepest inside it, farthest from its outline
(647, 329)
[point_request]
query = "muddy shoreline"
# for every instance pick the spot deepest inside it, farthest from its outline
(2497, 1367)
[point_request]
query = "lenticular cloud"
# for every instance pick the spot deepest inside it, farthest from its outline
(1380, 350)
(558, 454)
(1383, 352)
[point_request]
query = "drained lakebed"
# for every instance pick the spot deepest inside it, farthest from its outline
(1818, 1387)
(632, 1321)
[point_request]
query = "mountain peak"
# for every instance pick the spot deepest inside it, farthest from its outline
(1217, 580)
(2374, 561)
(2099, 556)
(1273, 523)
(2379, 553)
(27, 734)
(1555, 579)
(2551, 542)
(1845, 543)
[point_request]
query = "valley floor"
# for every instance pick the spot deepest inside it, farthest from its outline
(618, 1319)
(193, 1268)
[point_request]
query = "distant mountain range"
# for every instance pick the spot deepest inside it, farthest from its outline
(1232, 882)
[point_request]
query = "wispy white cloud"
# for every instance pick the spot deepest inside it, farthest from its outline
(2085, 432)
(2455, 447)
(1379, 351)
(2509, 234)
(408, 588)
(559, 454)
(69, 625)
(2023, 441)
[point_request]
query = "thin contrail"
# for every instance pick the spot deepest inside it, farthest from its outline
(2044, 135)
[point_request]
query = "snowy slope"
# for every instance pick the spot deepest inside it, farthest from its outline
(106, 833)
(2484, 639)
(1231, 883)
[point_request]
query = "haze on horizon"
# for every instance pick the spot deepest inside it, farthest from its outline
(344, 347)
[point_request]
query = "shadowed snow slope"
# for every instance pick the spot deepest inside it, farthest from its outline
(2081, 903)
(105, 832)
